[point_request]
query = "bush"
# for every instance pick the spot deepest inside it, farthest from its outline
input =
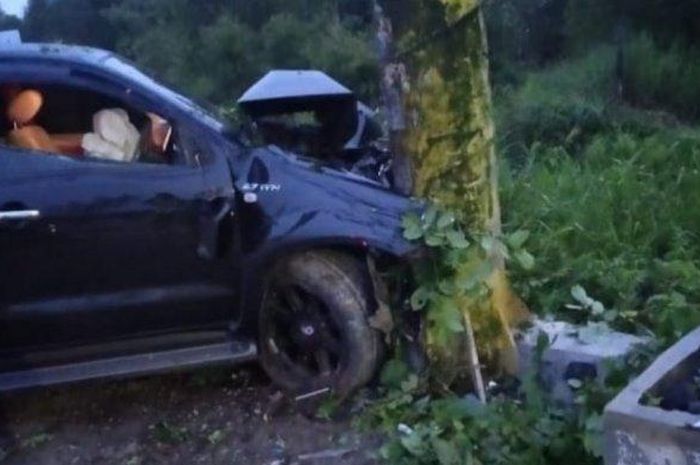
(621, 221)
(666, 78)
(560, 105)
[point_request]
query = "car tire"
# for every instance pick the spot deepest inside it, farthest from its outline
(314, 334)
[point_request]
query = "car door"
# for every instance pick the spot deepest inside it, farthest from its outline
(99, 251)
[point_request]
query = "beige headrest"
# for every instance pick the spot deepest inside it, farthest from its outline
(25, 106)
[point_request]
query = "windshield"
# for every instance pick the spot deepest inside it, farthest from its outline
(203, 108)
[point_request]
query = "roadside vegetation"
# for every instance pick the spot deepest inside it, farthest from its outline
(607, 192)
(598, 134)
(597, 108)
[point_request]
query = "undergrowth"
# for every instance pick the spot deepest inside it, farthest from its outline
(618, 219)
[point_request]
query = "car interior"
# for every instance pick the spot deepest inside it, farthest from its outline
(84, 125)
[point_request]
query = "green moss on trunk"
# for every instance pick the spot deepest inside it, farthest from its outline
(451, 139)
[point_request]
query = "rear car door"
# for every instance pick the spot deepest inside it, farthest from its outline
(100, 251)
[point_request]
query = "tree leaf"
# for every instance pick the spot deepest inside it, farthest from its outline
(435, 240)
(525, 259)
(518, 239)
(446, 315)
(394, 373)
(412, 229)
(447, 287)
(413, 443)
(579, 294)
(597, 308)
(430, 216)
(474, 275)
(488, 243)
(446, 219)
(447, 453)
(419, 299)
(456, 239)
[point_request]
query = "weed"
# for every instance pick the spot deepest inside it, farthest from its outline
(165, 432)
(36, 440)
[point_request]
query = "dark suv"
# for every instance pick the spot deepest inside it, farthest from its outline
(138, 234)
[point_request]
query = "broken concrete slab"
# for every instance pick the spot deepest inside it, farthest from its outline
(637, 434)
(569, 359)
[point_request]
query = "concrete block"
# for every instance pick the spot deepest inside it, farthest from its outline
(637, 434)
(569, 358)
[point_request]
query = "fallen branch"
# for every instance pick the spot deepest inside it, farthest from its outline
(473, 359)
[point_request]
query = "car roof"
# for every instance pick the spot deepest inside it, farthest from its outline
(69, 53)
(78, 55)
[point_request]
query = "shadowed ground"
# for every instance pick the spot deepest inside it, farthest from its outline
(210, 417)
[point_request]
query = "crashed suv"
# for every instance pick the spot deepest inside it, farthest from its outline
(138, 234)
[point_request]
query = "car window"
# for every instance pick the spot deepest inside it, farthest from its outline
(85, 125)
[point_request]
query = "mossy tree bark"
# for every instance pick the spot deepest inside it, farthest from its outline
(450, 138)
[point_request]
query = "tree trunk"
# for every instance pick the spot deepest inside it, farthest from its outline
(450, 137)
(393, 84)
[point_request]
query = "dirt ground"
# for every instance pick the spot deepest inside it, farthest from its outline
(222, 416)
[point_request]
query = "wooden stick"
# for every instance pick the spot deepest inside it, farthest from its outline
(473, 358)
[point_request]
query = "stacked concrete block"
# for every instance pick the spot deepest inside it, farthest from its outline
(638, 434)
(569, 360)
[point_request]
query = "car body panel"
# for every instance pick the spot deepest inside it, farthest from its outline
(113, 254)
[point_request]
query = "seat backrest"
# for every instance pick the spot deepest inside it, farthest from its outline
(21, 111)
(32, 138)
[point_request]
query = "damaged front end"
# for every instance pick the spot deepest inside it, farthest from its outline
(312, 115)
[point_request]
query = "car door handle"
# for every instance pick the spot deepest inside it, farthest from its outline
(20, 215)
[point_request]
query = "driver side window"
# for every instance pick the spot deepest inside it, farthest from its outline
(84, 125)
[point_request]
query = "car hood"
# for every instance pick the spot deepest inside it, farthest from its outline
(10, 38)
(290, 91)
(297, 201)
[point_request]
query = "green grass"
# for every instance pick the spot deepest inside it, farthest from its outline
(620, 218)
(610, 192)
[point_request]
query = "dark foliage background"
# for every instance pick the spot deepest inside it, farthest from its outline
(215, 49)
(596, 104)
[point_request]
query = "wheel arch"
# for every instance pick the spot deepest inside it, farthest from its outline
(256, 275)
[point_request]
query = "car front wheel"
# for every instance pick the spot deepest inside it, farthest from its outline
(313, 328)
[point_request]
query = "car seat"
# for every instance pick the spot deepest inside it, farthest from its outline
(21, 111)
